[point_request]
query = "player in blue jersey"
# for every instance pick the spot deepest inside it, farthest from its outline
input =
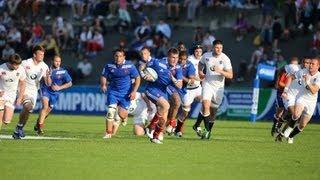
(57, 79)
(118, 76)
(189, 73)
(157, 91)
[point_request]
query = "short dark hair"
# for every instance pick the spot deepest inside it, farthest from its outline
(119, 50)
(15, 59)
(38, 48)
(183, 53)
(145, 48)
(197, 46)
(217, 41)
(173, 51)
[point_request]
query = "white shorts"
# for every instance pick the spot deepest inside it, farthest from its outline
(191, 94)
(30, 96)
(309, 106)
(143, 117)
(8, 99)
(291, 101)
(213, 94)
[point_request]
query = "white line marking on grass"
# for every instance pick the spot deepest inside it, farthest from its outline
(37, 137)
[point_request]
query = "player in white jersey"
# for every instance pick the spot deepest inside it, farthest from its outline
(141, 113)
(192, 87)
(218, 67)
(12, 79)
(290, 93)
(35, 70)
(306, 100)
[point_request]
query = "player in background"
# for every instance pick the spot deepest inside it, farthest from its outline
(195, 60)
(281, 81)
(118, 77)
(306, 100)
(290, 92)
(35, 70)
(218, 67)
(58, 79)
(157, 92)
(141, 114)
(12, 79)
(189, 91)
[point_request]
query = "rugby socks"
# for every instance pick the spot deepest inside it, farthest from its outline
(199, 120)
(172, 122)
(295, 131)
(179, 126)
(211, 125)
(207, 122)
(154, 121)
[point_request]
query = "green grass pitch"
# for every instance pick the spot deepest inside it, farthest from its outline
(237, 150)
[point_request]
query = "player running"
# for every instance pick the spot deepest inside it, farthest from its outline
(35, 70)
(58, 79)
(118, 77)
(157, 92)
(12, 79)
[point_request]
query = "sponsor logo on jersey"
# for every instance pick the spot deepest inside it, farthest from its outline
(33, 76)
(3, 73)
(17, 74)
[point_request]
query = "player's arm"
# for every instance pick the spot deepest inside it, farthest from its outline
(134, 74)
(200, 70)
(103, 84)
(22, 87)
(227, 73)
(147, 101)
(313, 88)
(47, 77)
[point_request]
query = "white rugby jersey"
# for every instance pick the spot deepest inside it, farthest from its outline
(222, 61)
(314, 80)
(34, 73)
(195, 63)
(296, 84)
(9, 79)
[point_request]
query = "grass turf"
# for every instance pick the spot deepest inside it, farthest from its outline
(237, 150)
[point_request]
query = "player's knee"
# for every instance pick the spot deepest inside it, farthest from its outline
(111, 113)
(186, 108)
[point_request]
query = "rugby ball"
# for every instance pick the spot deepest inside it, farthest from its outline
(152, 73)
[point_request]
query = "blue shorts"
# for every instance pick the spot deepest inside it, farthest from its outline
(53, 97)
(154, 94)
(171, 90)
(279, 100)
(114, 98)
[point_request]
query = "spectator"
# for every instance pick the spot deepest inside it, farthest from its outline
(7, 51)
(276, 33)
(113, 6)
(198, 35)
(49, 43)
(240, 27)
(266, 31)
(60, 32)
(12, 6)
(84, 36)
(84, 68)
(256, 57)
(163, 29)
(175, 4)
(142, 32)
(207, 41)
(95, 44)
(191, 8)
(14, 38)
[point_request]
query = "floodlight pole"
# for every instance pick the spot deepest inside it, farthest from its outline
(255, 99)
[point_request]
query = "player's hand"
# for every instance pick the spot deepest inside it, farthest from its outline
(48, 72)
(148, 77)
(104, 88)
(132, 95)
(201, 75)
(284, 95)
(191, 82)
(19, 101)
(217, 69)
(55, 87)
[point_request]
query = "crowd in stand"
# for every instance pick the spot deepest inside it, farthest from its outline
(22, 26)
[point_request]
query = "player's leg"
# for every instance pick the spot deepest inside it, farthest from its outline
(112, 103)
(1, 112)
(28, 105)
(175, 103)
(298, 109)
(304, 120)
(8, 112)
(277, 116)
(42, 115)
(207, 94)
(163, 107)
